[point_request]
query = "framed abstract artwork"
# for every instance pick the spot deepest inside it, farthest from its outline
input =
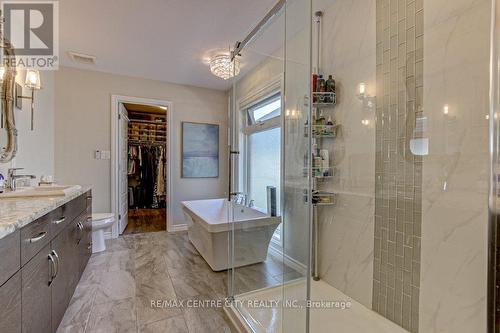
(200, 150)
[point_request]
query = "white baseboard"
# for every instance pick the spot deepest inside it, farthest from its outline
(177, 228)
(289, 261)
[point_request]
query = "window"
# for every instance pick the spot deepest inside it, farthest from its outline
(265, 110)
(263, 153)
(263, 165)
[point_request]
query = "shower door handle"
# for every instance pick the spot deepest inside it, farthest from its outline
(230, 185)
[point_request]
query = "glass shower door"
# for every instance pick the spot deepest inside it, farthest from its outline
(270, 210)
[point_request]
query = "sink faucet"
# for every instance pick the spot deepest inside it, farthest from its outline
(13, 178)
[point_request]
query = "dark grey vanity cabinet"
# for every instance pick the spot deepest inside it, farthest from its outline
(10, 305)
(64, 245)
(50, 256)
(36, 293)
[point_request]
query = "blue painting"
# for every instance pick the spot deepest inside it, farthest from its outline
(200, 150)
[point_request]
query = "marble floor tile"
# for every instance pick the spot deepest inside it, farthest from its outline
(118, 286)
(121, 260)
(190, 286)
(78, 312)
(115, 285)
(206, 320)
(114, 316)
(120, 244)
(148, 313)
(170, 325)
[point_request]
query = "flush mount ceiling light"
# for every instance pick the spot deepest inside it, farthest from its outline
(222, 66)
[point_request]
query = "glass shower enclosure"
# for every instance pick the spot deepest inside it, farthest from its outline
(386, 169)
(273, 153)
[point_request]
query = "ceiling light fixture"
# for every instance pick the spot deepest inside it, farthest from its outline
(222, 66)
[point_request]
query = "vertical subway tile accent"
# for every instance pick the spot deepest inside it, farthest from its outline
(398, 173)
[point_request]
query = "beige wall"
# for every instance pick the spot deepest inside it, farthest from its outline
(83, 124)
(35, 148)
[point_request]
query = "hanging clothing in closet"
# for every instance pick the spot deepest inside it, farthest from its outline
(146, 169)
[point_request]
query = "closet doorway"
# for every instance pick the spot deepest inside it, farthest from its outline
(141, 165)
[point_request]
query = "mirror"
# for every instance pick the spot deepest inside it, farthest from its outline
(8, 131)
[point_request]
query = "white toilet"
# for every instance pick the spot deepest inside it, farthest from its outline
(100, 222)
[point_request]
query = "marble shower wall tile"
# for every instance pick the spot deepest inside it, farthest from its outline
(349, 53)
(455, 173)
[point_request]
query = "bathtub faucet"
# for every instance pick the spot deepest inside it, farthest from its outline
(240, 198)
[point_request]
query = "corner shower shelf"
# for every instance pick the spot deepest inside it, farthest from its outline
(321, 198)
(322, 131)
(320, 172)
(324, 99)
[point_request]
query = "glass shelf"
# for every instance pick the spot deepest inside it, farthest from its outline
(324, 99)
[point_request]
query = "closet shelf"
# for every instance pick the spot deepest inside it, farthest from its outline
(161, 123)
(147, 142)
(145, 130)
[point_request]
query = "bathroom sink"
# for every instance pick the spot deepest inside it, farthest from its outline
(41, 191)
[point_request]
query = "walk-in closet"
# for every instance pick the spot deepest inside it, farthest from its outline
(147, 168)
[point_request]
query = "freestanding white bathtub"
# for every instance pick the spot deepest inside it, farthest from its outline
(210, 223)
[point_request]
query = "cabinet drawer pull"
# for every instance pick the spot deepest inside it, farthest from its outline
(57, 262)
(61, 220)
(52, 268)
(38, 237)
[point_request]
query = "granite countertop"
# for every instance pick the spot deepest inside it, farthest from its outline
(15, 213)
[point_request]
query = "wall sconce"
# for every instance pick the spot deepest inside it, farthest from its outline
(446, 109)
(32, 82)
(362, 90)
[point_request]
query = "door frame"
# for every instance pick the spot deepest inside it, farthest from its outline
(115, 110)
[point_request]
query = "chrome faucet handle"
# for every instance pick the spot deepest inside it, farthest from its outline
(12, 171)
(251, 203)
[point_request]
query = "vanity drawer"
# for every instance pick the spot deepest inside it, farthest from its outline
(37, 234)
(74, 208)
(58, 221)
(11, 258)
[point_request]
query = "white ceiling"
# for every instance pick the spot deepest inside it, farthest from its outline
(166, 40)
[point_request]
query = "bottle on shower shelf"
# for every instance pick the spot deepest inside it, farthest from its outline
(315, 82)
(330, 87)
(321, 84)
(321, 119)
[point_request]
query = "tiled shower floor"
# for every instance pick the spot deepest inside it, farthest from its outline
(118, 285)
(355, 318)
